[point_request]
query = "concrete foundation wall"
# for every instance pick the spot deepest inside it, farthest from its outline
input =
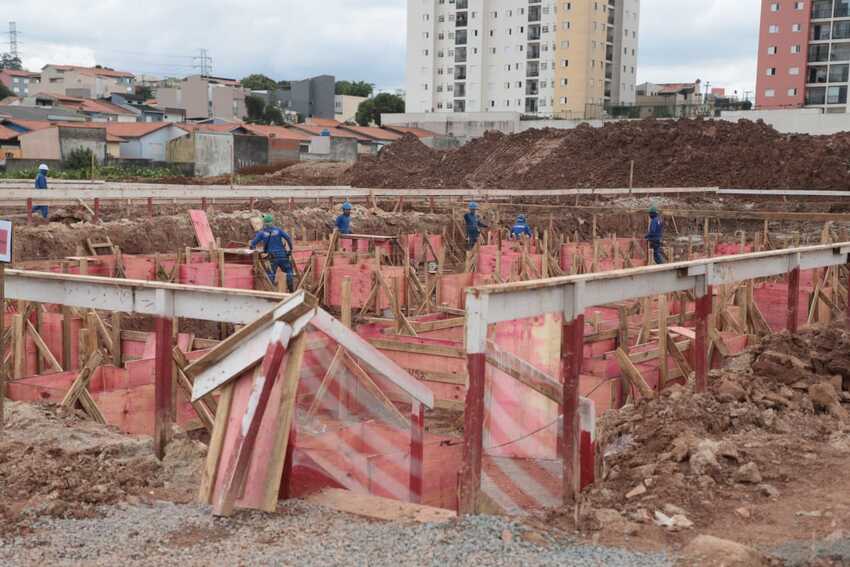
(153, 146)
(181, 150)
(281, 151)
(15, 164)
(339, 150)
(250, 151)
(213, 154)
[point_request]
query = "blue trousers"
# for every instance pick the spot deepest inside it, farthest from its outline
(657, 253)
(41, 210)
(471, 240)
(285, 265)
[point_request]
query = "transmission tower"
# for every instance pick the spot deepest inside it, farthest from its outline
(13, 41)
(203, 62)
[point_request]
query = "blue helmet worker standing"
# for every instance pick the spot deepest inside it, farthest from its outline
(474, 224)
(278, 245)
(343, 221)
(521, 228)
(41, 183)
(656, 234)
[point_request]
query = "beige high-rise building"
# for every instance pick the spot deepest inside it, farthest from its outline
(538, 57)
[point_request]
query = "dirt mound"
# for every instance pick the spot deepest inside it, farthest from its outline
(763, 420)
(53, 463)
(681, 153)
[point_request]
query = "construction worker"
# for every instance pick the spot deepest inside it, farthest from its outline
(474, 224)
(343, 221)
(656, 234)
(520, 228)
(41, 183)
(278, 245)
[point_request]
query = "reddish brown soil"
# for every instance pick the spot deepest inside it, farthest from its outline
(682, 153)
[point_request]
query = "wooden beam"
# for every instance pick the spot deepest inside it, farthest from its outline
(42, 347)
(82, 380)
(379, 508)
(204, 408)
(633, 375)
(369, 384)
(524, 372)
(222, 415)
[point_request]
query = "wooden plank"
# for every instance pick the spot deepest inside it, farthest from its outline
(236, 468)
(366, 380)
(203, 407)
(437, 350)
(524, 372)
(633, 375)
(675, 351)
(42, 347)
(222, 414)
(117, 355)
(664, 369)
(379, 508)
(286, 417)
(18, 345)
(103, 332)
(683, 332)
(333, 367)
(203, 232)
(438, 325)
(81, 382)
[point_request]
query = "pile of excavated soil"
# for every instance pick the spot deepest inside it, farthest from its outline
(773, 412)
(55, 463)
(674, 153)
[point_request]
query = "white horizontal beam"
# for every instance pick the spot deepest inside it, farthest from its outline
(571, 295)
(140, 297)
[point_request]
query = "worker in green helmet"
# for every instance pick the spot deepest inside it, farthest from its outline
(278, 245)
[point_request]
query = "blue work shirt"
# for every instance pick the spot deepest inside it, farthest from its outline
(656, 229)
(41, 181)
(343, 224)
(520, 229)
(474, 224)
(273, 239)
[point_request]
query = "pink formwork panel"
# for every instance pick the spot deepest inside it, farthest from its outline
(353, 245)
(772, 301)
(731, 249)
(362, 282)
(203, 232)
(451, 288)
(419, 252)
(139, 267)
(236, 276)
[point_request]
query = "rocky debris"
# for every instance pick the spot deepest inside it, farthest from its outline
(748, 474)
(710, 551)
(753, 431)
(53, 463)
(719, 153)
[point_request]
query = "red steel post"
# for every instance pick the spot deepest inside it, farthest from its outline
(703, 310)
(473, 436)
(96, 210)
(203, 203)
(29, 211)
(572, 345)
(162, 385)
(793, 300)
(417, 450)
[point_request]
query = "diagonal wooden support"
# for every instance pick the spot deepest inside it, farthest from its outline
(42, 347)
(205, 407)
(326, 380)
(366, 380)
(235, 470)
(633, 375)
(78, 392)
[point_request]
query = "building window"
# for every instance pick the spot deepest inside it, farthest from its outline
(771, 71)
(774, 7)
(769, 93)
(773, 28)
(796, 27)
(792, 92)
(799, 5)
(795, 49)
(794, 71)
(771, 50)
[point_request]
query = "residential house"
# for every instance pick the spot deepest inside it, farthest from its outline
(313, 97)
(218, 153)
(144, 140)
(85, 82)
(10, 146)
(28, 112)
(94, 110)
(668, 100)
(204, 97)
(21, 83)
(139, 106)
(285, 144)
(379, 136)
(56, 141)
(364, 144)
(345, 107)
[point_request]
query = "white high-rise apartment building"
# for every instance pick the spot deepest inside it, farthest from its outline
(540, 57)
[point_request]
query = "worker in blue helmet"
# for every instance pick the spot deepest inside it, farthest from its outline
(656, 234)
(278, 245)
(520, 228)
(474, 224)
(41, 184)
(343, 221)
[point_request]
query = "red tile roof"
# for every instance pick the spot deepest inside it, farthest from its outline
(374, 133)
(673, 88)
(132, 130)
(88, 105)
(334, 132)
(16, 73)
(418, 132)
(228, 127)
(8, 133)
(95, 71)
(280, 132)
(326, 122)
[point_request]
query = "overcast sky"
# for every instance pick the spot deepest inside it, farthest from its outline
(680, 40)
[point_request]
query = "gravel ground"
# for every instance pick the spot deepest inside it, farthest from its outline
(834, 550)
(301, 534)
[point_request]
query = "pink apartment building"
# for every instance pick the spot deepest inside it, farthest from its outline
(804, 54)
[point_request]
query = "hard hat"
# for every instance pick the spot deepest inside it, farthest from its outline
(268, 219)
(521, 218)
(473, 205)
(43, 167)
(653, 209)
(346, 206)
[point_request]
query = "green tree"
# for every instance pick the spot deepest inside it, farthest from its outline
(258, 82)
(273, 115)
(370, 110)
(144, 91)
(256, 108)
(9, 62)
(354, 88)
(4, 91)
(79, 159)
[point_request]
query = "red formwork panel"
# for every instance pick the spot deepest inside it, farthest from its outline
(203, 231)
